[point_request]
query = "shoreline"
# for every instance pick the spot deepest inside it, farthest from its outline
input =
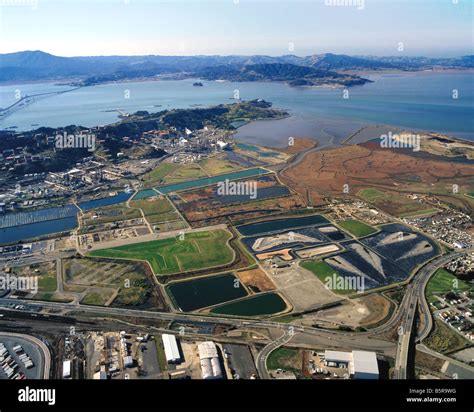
(67, 81)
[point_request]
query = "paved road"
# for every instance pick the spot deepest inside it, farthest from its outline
(261, 361)
(414, 297)
(325, 338)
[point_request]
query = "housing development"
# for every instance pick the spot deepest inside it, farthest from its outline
(219, 259)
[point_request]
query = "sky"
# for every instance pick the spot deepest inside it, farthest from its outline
(272, 27)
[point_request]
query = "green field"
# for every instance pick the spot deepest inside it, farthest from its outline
(283, 358)
(429, 211)
(371, 195)
(185, 172)
(44, 272)
(198, 250)
(357, 228)
(157, 209)
(216, 166)
(96, 298)
(48, 283)
(157, 175)
(443, 282)
(322, 270)
(394, 203)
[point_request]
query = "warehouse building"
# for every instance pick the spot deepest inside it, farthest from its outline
(66, 369)
(209, 359)
(364, 365)
(171, 348)
(361, 364)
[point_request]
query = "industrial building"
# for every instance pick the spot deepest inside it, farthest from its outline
(361, 364)
(66, 369)
(171, 348)
(209, 359)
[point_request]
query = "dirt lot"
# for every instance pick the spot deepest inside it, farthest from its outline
(302, 288)
(378, 307)
(256, 279)
(283, 253)
(221, 214)
(349, 313)
(324, 173)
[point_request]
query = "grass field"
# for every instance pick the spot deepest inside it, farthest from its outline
(157, 175)
(160, 353)
(215, 166)
(284, 358)
(323, 271)
(420, 212)
(371, 195)
(185, 172)
(157, 209)
(397, 204)
(443, 282)
(45, 272)
(47, 283)
(196, 251)
(357, 228)
(96, 298)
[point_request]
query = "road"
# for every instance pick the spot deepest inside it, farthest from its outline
(261, 361)
(368, 340)
(414, 298)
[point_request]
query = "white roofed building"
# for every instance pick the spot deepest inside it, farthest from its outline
(171, 348)
(364, 365)
(66, 369)
(209, 359)
(361, 364)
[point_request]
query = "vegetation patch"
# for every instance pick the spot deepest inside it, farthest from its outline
(443, 282)
(357, 228)
(324, 272)
(194, 251)
(443, 339)
(284, 358)
(157, 209)
(157, 175)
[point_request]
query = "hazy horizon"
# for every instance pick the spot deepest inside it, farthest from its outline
(81, 28)
(231, 55)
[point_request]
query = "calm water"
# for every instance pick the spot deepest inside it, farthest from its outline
(267, 304)
(278, 225)
(412, 100)
(200, 293)
(105, 201)
(206, 181)
(35, 230)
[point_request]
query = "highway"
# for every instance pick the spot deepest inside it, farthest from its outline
(304, 336)
(414, 298)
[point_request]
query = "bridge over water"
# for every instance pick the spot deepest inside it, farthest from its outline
(29, 100)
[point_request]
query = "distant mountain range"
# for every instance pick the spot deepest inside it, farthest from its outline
(38, 65)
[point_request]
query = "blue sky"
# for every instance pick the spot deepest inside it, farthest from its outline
(187, 27)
